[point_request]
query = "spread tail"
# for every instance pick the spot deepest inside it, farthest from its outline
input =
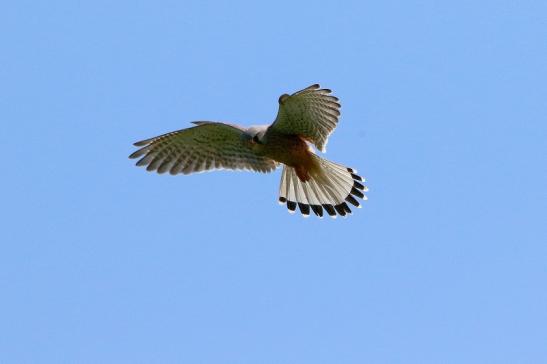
(330, 189)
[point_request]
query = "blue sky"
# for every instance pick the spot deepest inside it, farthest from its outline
(443, 110)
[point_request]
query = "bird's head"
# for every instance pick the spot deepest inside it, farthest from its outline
(256, 136)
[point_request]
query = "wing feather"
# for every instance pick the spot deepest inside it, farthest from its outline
(207, 146)
(311, 113)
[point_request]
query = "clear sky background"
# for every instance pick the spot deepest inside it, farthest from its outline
(443, 110)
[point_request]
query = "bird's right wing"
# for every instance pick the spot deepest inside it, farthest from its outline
(208, 146)
(311, 113)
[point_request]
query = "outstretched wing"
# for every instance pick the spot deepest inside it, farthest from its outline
(311, 113)
(208, 146)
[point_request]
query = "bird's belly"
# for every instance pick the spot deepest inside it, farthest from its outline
(290, 150)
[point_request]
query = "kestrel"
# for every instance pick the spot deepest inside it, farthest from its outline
(308, 181)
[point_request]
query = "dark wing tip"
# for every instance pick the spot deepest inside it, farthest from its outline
(317, 209)
(356, 192)
(346, 207)
(340, 209)
(135, 154)
(291, 205)
(330, 209)
(353, 201)
(356, 177)
(358, 185)
(304, 209)
(142, 143)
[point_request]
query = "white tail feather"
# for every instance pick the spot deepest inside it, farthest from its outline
(329, 190)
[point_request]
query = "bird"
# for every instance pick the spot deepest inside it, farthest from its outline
(304, 118)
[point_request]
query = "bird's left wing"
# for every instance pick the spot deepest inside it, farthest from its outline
(311, 113)
(207, 146)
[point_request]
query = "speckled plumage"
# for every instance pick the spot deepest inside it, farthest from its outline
(206, 146)
(308, 181)
(311, 113)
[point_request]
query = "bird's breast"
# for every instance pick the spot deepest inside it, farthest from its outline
(290, 150)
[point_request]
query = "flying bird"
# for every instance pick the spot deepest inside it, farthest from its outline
(308, 181)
